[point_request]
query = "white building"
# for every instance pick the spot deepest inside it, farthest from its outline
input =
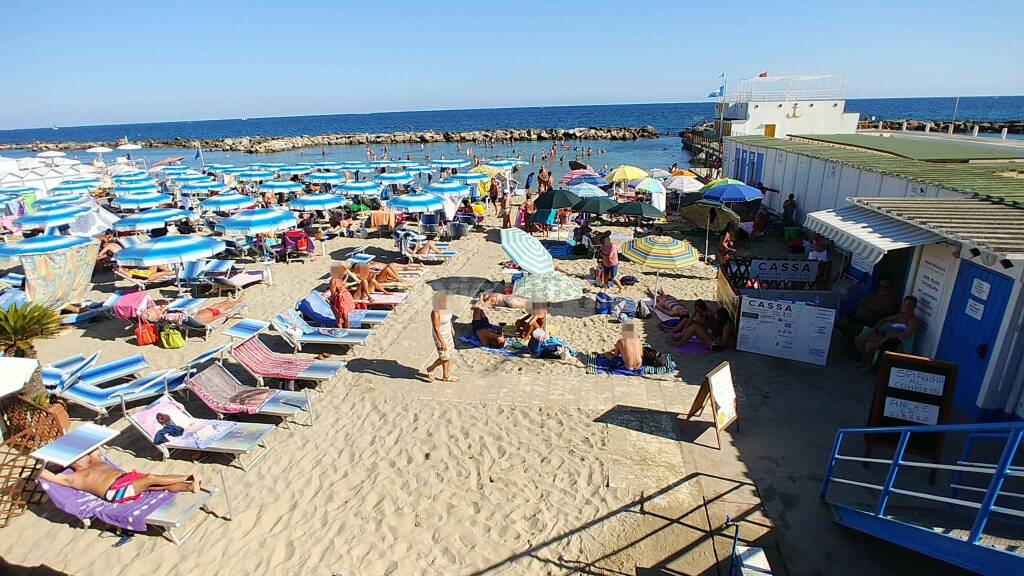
(784, 105)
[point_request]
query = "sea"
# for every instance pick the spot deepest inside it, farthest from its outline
(668, 119)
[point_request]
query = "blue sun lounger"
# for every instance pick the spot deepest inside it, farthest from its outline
(299, 333)
(318, 311)
(13, 280)
(62, 373)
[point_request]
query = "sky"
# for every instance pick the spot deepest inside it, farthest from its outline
(89, 62)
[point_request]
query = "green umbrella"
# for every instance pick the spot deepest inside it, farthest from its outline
(555, 199)
(640, 209)
(596, 205)
(549, 287)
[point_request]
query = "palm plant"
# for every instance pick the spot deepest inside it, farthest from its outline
(20, 326)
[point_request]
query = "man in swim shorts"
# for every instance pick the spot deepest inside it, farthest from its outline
(94, 475)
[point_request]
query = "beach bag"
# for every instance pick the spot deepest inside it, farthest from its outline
(603, 304)
(145, 333)
(653, 358)
(171, 338)
(625, 306)
(628, 280)
(643, 310)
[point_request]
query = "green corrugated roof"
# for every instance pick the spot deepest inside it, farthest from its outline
(920, 148)
(996, 181)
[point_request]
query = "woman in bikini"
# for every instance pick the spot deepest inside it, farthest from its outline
(492, 299)
(669, 304)
(340, 298)
(719, 335)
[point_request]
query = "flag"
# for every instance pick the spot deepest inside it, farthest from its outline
(197, 153)
(718, 93)
(763, 75)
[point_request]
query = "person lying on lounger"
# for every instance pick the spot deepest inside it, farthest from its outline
(368, 284)
(669, 304)
(701, 316)
(628, 351)
(207, 314)
(389, 274)
(488, 334)
(151, 274)
(93, 475)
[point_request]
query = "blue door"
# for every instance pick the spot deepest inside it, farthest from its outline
(741, 167)
(976, 310)
(759, 168)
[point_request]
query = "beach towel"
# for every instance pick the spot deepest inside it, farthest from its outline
(127, 515)
(379, 218)
(559, 250)
(253, 353)
(129, 306)
(57, 279)
(692, 346)
(599, 364)
(221, 392)
(316, 309)
(506, 352)
(198, 433)
(379, 298)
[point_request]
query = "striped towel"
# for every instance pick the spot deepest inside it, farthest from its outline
(598, 364)
(506, 352)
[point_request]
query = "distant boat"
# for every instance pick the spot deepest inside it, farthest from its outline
(244, 118)
(55, 127)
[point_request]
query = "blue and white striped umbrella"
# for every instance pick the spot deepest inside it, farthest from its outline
(235, 170)
(202, 188)
(39, 245)
(324, 178)
(418, 169)
(169, 170)
(447, 188)
(266, 165)
(170, 250)
(317, 202)
(137, 188)
(503, 164)
(470, 178)
(416, 202)
(585, 190)
(141, 200)
(365, 187)
(281, 186)
(453, 163)
(189, 177)
(295, 169)
(74, 187)
(254, 176)
(54, 200)
(526, 251)
(404, 163)
(85, 180)
(328, 165)
(128, 178)
(384, 163)
(227, 202)
(150, 219)
(216, 167)
(257, 221)
(393, 178)
(18, 190)
(57, 216)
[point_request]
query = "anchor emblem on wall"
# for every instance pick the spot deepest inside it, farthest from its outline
(795, 113)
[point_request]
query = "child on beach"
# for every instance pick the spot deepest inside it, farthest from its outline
(610, 263)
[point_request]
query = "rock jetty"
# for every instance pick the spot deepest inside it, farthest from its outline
(264, 144)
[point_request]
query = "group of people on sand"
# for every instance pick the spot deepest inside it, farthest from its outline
(357, 287)
(714, 329)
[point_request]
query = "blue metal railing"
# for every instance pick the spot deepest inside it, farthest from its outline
(1011, 433)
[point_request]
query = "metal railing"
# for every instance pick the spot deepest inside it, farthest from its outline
(785, 96)
(1011, 433)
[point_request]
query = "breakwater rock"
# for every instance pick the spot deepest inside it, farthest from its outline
(264, 144)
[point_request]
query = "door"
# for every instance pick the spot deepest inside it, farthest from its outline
(769, 130)
(976, 310)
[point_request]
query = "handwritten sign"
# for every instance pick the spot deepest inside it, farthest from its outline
(975, 309)
(910, 411)
(980, 289)
(916, 381)
(784, 270)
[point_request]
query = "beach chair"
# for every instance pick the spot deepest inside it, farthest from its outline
(246, 328)
(235, 439)
(429, 225)
(62, 374)
(316, 309)
(298, 332)
(127, 305)
(192, 305)
(237, 281)
(89, 312)
(358, 255)
(59, 375)
(166, 511)
(224, 394)
(262, 363)
(411, 243)
(12, 280)
(139, 282)
(12, 297)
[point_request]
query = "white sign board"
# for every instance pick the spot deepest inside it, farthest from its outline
(975, 309)
(724, 393)
(980, 288)
(784, 270)
(785, 330)
(911, 411)
(915, 381)
(933, 281)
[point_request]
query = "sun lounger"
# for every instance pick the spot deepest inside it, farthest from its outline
(13, 280)
(236, 439)
(143, 283)
(60, 374)
(259, 361)
(89, 311)
(224, 394)
(246, 328)
(64, 373)
(298, 333)
(237, 281)
(193, 305)
(127, 305)
(316, 309)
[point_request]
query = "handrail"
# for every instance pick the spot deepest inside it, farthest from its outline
(1004, 426)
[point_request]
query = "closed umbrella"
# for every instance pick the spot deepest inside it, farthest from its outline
(526, 251)
(150, 219)
(588, 191)
(51, 217)
(595, 205)
(447, 188)
(170, 250)
(548, 287)
(227, 202)
(416, 203)
(257, 221)
(317, 202)
(141, 200)
(39, 245)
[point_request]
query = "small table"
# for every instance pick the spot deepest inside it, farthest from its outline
(75, 444)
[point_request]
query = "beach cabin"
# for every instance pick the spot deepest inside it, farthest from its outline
(778, 106)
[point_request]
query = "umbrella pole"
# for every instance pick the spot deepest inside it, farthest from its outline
(707, 238)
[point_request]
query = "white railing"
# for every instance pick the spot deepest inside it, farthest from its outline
(785, 96)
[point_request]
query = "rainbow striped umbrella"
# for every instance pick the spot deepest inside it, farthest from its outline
(661, 252)
(526, 251)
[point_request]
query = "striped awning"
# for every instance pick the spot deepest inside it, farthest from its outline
(867, 234)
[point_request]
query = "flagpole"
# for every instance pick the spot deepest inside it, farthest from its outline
(202, 159)
(721, 122)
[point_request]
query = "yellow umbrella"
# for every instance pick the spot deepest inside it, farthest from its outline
(488, 170)
(625, 173)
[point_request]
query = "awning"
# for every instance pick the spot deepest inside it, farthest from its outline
(867, 234)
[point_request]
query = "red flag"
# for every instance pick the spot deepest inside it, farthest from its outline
(762, 75)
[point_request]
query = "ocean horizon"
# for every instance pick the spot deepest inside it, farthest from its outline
(668, 119)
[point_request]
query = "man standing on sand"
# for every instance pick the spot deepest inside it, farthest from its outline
(93, 475)
(506, 211)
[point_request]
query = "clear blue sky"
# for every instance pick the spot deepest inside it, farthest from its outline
(98, 62)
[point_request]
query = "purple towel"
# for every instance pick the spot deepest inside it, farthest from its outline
(127, 515)
(692, 346)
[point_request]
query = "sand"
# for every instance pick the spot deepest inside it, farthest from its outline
(515, 469)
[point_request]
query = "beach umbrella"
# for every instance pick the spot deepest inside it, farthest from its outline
(317, 202)
(649, 186)
(130, 178)
(417, 202)
(51, 217)
(328, 165)
(660, 253)
(267, 165)
(720, 182)
(185, 178)
(174, 169)
(216, 167)
(548, 287)
(658, 173)
(638, 209)
(595, 205)
(54, 200)
(625, 173)
(393, 178)
(356, 165)
(470, 178)
(526, 251)
(488, 170)
(254, 176)
(150, 219)
(447, 188)
(709, 215)
(679, 172)
(357, 187)
(592, 178)
(324, 178)
(170, 250)
(234, 170)
(141, 200)
(135, 188)
(281, 187)
(99, 150)
(67, 186)
(588, 191)
(452, 163)
(129, 147)
(684, 184)
(39, 245)
(18, 190)
(295, 169)
(568, 176)
(556, 199)
(227, 202)
(51, 154)
(732, 193)
(202, 188)
(418, 170)
(503, 164)
(257, 221)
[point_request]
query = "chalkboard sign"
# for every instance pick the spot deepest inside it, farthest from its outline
(720, 391)
(911, 390)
